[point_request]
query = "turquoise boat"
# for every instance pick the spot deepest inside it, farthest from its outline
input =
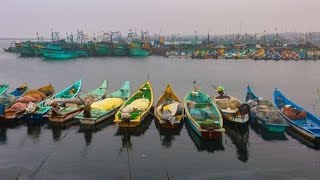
(113, 101)
(44, 106)
(61, 114)
(203, 115)
(264, 113)
(309, 126)
(61, 51)
(103, 49)
(120, 49)
(3, 88)
(138, 48)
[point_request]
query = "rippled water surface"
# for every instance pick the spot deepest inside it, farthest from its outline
(41, 151)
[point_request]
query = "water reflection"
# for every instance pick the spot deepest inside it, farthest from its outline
(126, 133)
(210, 146)
(88, 130)
(34, 130)
(265, 134)
(312, 144)
(3, 135)
(239, 135)
(168, 135)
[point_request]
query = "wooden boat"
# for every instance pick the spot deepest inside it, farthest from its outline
(3, 88)
(308, 127)
(113, 101)
(74, 107)
(265, 113)
(169, 98)
(44, 106)
(232, 109)
(203, 115)
(136, 108)
(16, 110)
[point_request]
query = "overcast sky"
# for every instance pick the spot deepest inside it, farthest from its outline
(23, 18)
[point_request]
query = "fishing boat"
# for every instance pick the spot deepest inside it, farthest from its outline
(203, 115)
(302, 121)
(72, 107)
(16, 110)
(294, 55)
(3, 88)
(120, 49)
(276, 56)
(44, 106)
(138, 48)
(104, 109)
(232, 109)
(169, 110)
(136, 108)
(9, 98)
(265, 113)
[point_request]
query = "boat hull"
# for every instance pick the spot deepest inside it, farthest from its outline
(207, 134)
(231, 117)
(65, 117)
(139, 52)
(91, 121)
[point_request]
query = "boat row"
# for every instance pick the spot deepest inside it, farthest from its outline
(206, 114)
(247, 53)
(110, 44)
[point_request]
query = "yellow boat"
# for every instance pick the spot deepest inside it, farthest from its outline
(171, 117)
(136, 108)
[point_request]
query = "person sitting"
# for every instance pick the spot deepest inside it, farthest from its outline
(221, 94)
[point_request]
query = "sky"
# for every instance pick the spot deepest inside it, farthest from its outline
(23, 18)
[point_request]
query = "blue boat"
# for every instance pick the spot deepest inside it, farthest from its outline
(265, 113)
(308, 127)
(276, 56)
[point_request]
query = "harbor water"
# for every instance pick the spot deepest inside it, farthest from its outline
(41, 151)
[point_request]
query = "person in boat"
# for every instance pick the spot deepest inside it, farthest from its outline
(221, 94)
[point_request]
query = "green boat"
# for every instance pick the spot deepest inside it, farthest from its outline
(138, 48)
(73, 107)
(3, 88)
(44, 106)
(61, 51)
(103, 109)
(103, 49)
(120, 49)
(135, 110)
(203, 115)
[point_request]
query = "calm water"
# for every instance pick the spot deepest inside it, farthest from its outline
(102, 152)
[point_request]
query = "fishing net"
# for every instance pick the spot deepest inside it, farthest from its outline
(47, 90)
(107, 104)
(293, 113)
(265, 110)
(209, 124)
(7, 99)
(228, 103)
(17, 107)
(132, 110)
